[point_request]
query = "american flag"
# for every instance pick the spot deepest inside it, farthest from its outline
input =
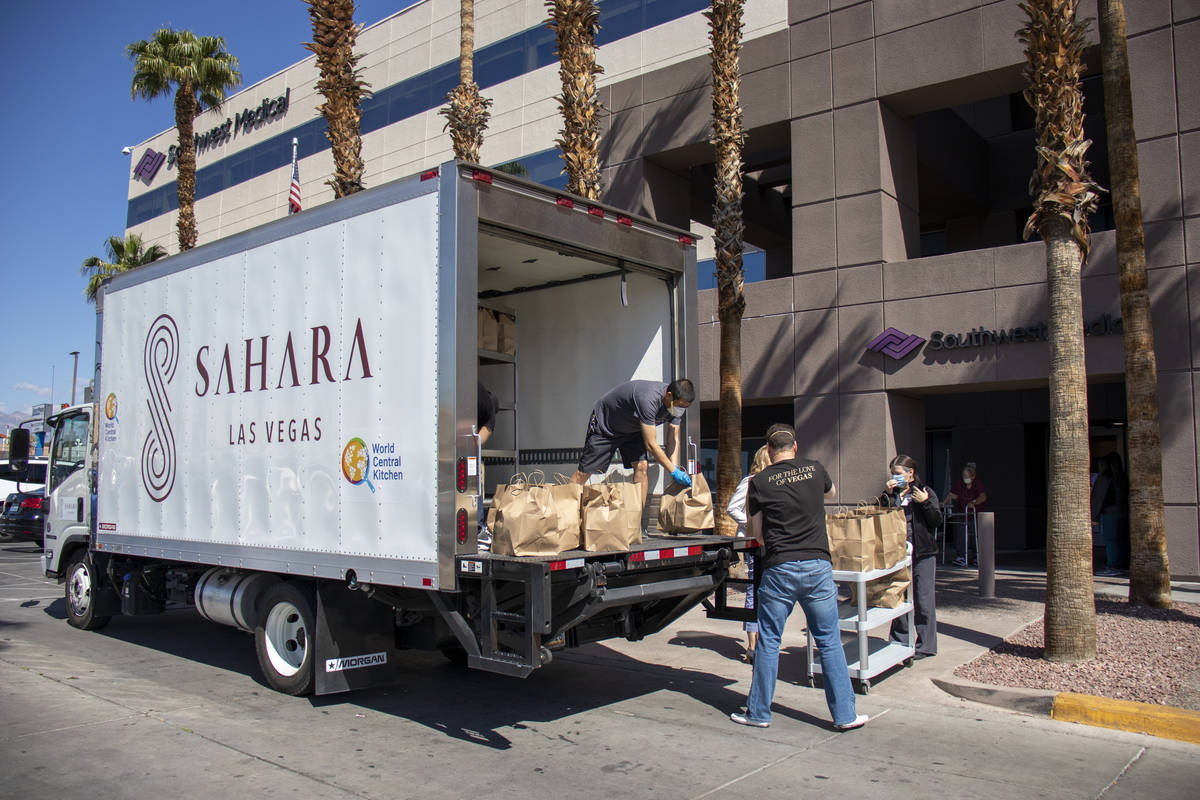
(294, 194)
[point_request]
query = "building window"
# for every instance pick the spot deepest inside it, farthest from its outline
(974, 163)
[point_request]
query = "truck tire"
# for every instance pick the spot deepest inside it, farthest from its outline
(284, 639)
(80, 589)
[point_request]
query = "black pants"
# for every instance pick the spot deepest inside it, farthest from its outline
(924, 572)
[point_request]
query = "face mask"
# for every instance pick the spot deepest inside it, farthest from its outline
(968, 481)
(900, 480)
(676, 412)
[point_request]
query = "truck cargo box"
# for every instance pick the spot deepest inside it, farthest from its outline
(300, 398)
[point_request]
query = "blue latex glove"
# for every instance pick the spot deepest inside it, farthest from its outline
(679, 476)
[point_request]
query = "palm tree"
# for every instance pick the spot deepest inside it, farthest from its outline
(467, 114)
(1064, 195)
(200, 73)
(725, 24)
(334, 35)
(575, 23)
(1149, 574)
(123, 255)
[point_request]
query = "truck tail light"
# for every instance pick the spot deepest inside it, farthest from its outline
(461, 525)
(34, 503)
(429, 174)
(461, 475)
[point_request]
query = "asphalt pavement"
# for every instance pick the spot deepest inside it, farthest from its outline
(173, 706)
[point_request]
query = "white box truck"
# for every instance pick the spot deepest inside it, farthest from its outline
(284, 433)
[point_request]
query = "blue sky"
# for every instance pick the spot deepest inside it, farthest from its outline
(67, 116)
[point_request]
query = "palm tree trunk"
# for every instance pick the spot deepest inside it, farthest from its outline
(466, 41)
(1149, 572)
(334, 36)
(185, 184)
(1064, 196)
(725, 22)
(1070, 618)
(467, 111)
(575, 23)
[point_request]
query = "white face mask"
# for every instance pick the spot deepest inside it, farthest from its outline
(676, 411)
(968, 481)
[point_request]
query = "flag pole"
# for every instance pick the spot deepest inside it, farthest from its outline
(294, 187)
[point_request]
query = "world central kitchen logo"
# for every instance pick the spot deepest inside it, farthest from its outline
(370, 464)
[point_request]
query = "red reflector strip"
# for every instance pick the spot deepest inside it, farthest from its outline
(481, 176)
(623, 220)
(565, 202)
(570, 563)
(433, 173)
(596, 212)
(686, 240)
(752, 543)
(661, 555)
(427, 581)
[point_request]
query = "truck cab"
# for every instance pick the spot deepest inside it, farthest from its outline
(70, 485)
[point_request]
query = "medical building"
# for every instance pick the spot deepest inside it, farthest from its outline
(892, 305)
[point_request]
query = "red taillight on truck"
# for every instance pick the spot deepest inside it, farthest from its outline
(461, 475)
(34, 503)
(461, 524)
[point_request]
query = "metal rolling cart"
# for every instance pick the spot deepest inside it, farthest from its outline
(874, 655)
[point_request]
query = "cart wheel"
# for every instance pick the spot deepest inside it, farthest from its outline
(809, 682)
(908, 662)
(863, 687)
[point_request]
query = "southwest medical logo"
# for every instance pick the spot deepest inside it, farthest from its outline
(148, 167)
(894, 343)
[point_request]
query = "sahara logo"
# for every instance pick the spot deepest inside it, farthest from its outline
(160, 359)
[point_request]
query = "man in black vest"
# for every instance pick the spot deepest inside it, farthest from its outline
(786, 508)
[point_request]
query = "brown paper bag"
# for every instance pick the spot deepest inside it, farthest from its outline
(612, 516)
(892, 531)
(489, 330)
(567, 498)
(525, 519)
(851, 541)
(506, 333)
(686, 509)
(889, 591)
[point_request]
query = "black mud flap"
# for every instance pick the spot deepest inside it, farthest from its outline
(356, 641)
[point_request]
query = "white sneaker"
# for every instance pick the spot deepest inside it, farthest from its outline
(858, 722)
(742, 719)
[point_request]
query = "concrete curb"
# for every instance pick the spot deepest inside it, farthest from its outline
(1027, 701)
(1165, 722)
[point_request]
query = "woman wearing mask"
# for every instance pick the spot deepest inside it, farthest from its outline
(1110, 509)
(737, 510)
(970, 494)
(904, 489)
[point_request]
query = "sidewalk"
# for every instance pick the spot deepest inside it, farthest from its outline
(968, 626)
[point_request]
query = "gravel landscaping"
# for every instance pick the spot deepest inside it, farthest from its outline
(1151, 655)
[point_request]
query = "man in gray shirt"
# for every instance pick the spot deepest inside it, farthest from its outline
(626, 419)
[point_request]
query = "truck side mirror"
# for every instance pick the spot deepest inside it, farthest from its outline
(18, 448)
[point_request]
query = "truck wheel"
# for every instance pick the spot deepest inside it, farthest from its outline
(283, 638)
(81, 585)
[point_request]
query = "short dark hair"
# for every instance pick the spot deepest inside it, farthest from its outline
(908, 462)
(682, 390)
(781, 436)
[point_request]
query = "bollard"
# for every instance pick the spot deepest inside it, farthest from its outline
(985, 546)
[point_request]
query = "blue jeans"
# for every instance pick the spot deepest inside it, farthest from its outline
(1114, 530)
(809, 583)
